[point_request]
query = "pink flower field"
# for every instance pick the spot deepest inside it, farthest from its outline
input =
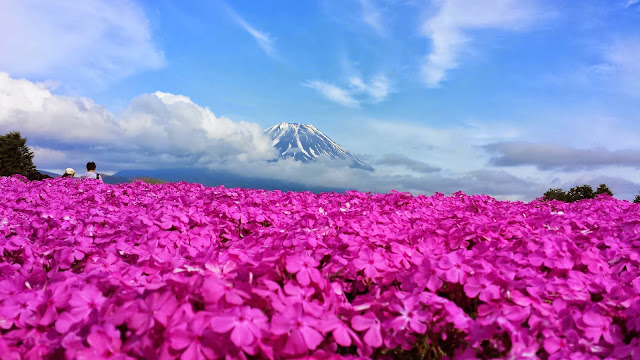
(137, 271)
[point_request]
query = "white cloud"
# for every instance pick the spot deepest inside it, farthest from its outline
(448, 30)
(162, 126)
(372, 15)
(357, 92)
(94, 41)
(173, 124)
(333, 93)
(377, 89)
(264, 40)
(456, 150)
(31, 108)
(46, 155)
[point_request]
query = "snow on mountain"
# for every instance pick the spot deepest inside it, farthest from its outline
(304, 142)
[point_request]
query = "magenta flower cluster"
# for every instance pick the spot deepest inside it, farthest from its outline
(137, 271)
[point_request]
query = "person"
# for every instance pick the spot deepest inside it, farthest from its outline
(91, 172)
(69, 173)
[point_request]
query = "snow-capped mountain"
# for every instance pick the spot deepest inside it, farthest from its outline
(305, 143)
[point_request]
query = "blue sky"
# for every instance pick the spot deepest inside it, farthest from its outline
(482, 90)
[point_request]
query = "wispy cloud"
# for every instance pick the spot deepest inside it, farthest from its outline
(264, 40)
(377, 89)
(356, 92)
(616, 70)
(333, 93)
(372, 15)
(622, 60)
(448, 30)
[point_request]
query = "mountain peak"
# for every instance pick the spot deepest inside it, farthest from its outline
(304, 142)
(294, 126)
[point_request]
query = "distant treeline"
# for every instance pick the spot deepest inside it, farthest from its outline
(580, 193)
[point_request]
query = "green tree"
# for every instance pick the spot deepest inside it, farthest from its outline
(637, 199)
(556, 194)
(603, 189)
(15, 155)
(580, 193)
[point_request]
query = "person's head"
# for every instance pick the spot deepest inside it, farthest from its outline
(69, 172)
(91, 166)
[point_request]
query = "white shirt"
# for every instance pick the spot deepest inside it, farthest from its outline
(91, 175)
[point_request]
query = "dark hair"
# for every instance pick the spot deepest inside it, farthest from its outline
(65, 175)
(91, 165)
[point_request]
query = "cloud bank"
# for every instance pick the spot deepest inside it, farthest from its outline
(399, 160)
(547, 156)
(158, 124)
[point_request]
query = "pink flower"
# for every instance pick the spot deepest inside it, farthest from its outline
(480, 285)
(20, 308)
(10, 287)
(247, 325)
(83, 303)
(555, 343)
(455, 269)
(7, 352)
(55, 298)
(427, 276)
(301, 330)
(214, 289)
(304, 267)
(342, 333)
(104, 343)
(516, 313)
(596, 325)
(156, 307)
(411, 316)
(192, 336)
(371, 262)
(369, 323)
